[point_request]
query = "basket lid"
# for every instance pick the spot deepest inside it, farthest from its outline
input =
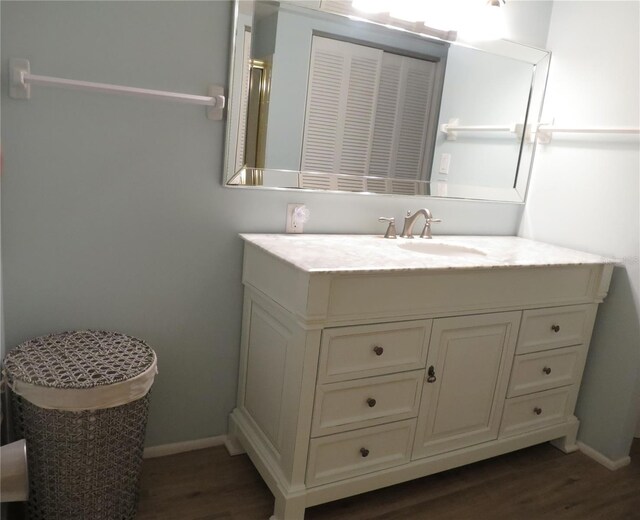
(78, 359)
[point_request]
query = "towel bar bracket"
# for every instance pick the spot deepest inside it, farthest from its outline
(18, 88)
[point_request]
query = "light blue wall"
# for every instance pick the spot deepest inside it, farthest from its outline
(113, 211)
(3, 506)
(585, 194)
(114, 216)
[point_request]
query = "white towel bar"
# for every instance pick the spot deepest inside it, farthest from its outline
(453, 127)
(545, 132)
(21, 80)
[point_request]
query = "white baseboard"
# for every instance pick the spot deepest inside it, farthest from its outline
(181, 447)
(602, 459)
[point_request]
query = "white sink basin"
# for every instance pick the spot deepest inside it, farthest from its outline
(437, 248)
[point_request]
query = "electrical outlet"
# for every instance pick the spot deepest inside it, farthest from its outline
(297, 215)
(445, 162)
(441, 188)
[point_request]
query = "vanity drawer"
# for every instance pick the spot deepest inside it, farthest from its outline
(544, 370)
(529, 412)
(369, 350)
(544, 329)
(344, 455)
(366, 402)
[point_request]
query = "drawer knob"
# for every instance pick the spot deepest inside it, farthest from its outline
(371, 402)
(546, 370)
(364, 452)
(378, 350)
(537, 410)
(431, 374)
(555, 328)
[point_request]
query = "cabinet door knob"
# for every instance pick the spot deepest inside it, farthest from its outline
(546, 370)
(537, 410)
(378, 350)
(371, 402)
(431, 373)
(555, 328)
(364, 452)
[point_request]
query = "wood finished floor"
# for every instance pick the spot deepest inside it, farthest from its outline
(535, 483)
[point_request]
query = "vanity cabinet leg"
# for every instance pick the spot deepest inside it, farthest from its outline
(289, 509)
(568, 444)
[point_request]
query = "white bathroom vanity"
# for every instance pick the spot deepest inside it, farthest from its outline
(366, 361)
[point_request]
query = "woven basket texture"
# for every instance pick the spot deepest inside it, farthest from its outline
(78, 359)
(82, 465)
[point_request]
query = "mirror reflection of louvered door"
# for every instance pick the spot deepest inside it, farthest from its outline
(340, 112)
(367, 111)
(400, 128)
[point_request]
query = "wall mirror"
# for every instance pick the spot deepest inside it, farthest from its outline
(324, 101)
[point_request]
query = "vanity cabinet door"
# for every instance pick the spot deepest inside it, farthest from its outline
(466, 381)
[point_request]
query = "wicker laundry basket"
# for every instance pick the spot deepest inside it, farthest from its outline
(81, 399)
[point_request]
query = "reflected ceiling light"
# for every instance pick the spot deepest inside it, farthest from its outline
(408, 10)
(474, 20)
(371, 6)
(445, 14)
(483, 22)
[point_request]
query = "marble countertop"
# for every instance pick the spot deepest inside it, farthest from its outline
(373, 253)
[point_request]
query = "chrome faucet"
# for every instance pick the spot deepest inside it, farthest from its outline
(409, 221)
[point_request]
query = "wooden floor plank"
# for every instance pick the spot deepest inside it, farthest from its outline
(537, 483)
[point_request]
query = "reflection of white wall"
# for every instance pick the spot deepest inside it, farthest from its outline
(264, 35)
(527, 21)
(584, 194)
(482, 89)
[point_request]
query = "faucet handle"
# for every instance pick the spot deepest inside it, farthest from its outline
(391, 229)
(426, 231)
